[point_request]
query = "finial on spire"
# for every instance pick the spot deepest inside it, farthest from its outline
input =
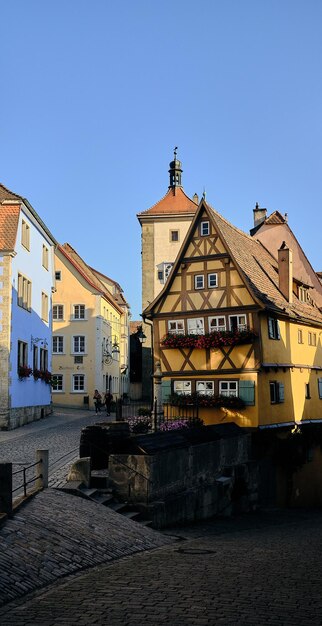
(175, 153)
(204, 193)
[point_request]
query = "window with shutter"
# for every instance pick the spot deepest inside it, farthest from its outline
(165, 390)
(247, 392)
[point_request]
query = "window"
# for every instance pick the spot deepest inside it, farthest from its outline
(217, 323)
(312, 339)
(176, 327)
(24, 292)
(273, 328)
(35, 358)
(183, 387)
(199, 281)
(299, 335)
(303, 293)
(57, 382)
(22, 354)
(79, 311)
(276, 391)
(212, 281)
(45, 257)
(320, 387)
(58, 312)
(58, 275)
(43, 359)
(307, 391)
(204, 229)
(164, 270)
(196, 326)
(79, 344)
(228, 388)
(58, 344)
(78, 382)
(174, 235)
(205, 387)
(44, 307)
(78, 360)
(237, 322)
(25, 235)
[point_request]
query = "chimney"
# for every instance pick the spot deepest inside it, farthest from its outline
(285, 271)
(259, 215)
(195, 198)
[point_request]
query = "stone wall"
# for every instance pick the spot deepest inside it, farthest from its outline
(187, 484)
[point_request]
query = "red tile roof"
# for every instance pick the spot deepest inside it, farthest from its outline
(174, 202)
(9, 219)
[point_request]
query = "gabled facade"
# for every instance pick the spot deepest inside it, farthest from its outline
(27, 282)
(230, 328)
(90, 333)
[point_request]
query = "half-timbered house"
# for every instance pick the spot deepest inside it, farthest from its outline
(233, 333)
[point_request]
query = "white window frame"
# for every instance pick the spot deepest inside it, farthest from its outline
(44, 306)
(22, 353)
(58, 307)
(231, 390)
(197, 278)
(79, 307)
(79, 339)
(209, 279)
(80, 376)
(311, 339)
(45, 257)
(25, 235)
(182, 387)
(196, 326)
(61, 377)
(24, 292)
(218, 326)
(60, 339)
(208, 387)
(240, 325)
(204, 228)
(176, 327)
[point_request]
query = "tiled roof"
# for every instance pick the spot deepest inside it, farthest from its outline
(88, 273)
(258, 268)
(260, 271)
(6, 194)
(275, 218)
(9, 218)
(174, 202)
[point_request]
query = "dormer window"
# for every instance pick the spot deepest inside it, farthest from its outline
(303, 294)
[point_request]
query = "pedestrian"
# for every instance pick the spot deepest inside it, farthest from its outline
(108, 399)
(97, 401)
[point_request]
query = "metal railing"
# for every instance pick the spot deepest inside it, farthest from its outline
(24, 472)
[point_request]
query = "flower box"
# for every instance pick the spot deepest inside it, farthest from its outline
(209, 340)
(24, 371)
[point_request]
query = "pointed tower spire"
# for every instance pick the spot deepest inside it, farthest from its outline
(175, 171)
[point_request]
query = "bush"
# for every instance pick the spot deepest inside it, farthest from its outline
(179, 423)
(143, 412)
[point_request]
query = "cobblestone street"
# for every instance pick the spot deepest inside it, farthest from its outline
(262, 569)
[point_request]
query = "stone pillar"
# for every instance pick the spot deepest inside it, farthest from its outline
(42, 468)
(6, 488)
(157, 416)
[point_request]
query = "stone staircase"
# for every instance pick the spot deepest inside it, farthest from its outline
(101, 493)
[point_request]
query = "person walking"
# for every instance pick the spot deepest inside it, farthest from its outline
(97, 401)
(108, 399)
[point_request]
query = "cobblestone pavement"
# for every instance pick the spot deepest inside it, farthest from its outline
(58, 433)
(249, 571)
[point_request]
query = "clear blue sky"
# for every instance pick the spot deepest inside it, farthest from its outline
(96, 93)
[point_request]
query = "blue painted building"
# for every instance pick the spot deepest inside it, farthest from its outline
(27, 281)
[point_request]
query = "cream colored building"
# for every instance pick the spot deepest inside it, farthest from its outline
(164, 227)
(90, 333)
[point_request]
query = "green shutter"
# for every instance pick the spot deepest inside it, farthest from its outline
(166, 390)
(247, 391)
(320, 387)
(281, 392)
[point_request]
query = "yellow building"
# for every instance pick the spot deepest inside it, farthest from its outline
(90, 333)
(238, 331)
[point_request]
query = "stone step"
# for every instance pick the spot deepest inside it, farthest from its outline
(132, 514)
(89, 492)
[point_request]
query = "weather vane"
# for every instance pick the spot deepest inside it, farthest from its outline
(175, 153)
